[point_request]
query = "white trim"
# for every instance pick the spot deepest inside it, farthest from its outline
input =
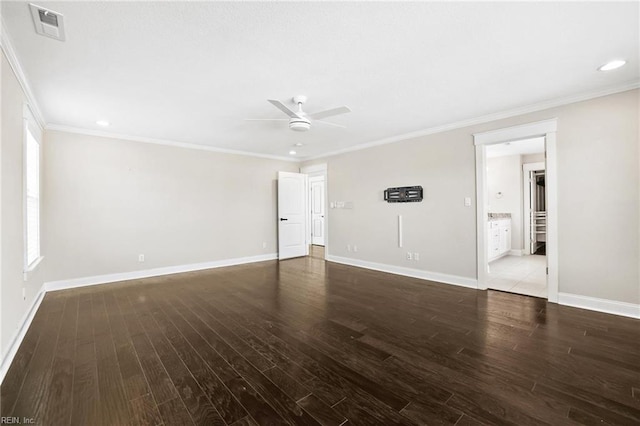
(111, 135)
(407, 272)
(546, 128)
(482, 207)
(7, 47)
(486, 118)
(551, 238)
(514, 133)
(134, 275)
(601, 305)
(313, 169)
(515, 252)
(7, 358)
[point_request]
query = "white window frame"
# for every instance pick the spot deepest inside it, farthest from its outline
(31, 128)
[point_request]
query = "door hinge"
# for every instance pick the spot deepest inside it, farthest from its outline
(547, 270)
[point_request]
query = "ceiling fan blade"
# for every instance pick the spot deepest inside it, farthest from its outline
(330, 112)
(330, 124)
(266, 119)
(282, 107)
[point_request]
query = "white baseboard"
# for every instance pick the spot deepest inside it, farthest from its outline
(601, 305)
(110, 278)
(407, 272)
(7, 359)
(516, 252)
(134, 275)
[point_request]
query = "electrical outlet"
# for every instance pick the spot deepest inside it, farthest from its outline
(409, 256)
(348, 247)
(141, 258)
(264, 244)
(355, 248)
(416, 256)
(467, 201)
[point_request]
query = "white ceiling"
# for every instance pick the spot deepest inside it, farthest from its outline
(521, 147)
(192, 72)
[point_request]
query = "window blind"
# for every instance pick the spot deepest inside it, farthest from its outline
(32, 185)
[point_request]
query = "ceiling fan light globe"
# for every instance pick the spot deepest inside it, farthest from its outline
(299, 124)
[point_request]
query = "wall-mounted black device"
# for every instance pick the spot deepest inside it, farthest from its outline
(403, 194)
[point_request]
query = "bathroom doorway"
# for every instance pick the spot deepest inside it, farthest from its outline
(510, 229)
(516, 220)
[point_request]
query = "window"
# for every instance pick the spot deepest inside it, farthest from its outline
(32, 199)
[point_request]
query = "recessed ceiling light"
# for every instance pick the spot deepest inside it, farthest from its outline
(299, 144)
(103, 123)
(292, 152)
(612, 65)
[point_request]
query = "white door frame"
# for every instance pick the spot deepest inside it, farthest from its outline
(526, 218)
(546, 128)
(312, 180)
(311, 171)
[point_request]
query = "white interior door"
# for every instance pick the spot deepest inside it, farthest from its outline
(317, 210)
(291, 215)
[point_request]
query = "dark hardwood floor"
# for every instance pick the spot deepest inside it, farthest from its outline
(308, 342)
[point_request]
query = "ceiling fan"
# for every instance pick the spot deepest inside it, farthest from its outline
(301, 121)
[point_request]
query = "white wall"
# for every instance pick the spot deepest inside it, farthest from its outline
(504, 176)
(533, 158)
(109, 200)
(598, 191)
(13, 306)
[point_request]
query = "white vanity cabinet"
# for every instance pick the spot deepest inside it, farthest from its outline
(499, 237)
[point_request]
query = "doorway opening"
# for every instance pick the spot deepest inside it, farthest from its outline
(505, 234)
(516, 221)
(316, 204)
(317, 219)
(534, 206)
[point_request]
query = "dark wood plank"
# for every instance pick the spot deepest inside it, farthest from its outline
(57, 410)
(15, 376)
(432, 413)
(301, 342)
(155, 374)
(286, 383)
(144, 411)
(320, 411)
(245, 421)
(113, 403)
(134, 382)
(35, 387)
(219, 395)
(284, 405)
(173, 412)
(251, 400)
(85, 408)
(198, 405)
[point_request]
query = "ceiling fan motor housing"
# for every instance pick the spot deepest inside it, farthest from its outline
(299, 124)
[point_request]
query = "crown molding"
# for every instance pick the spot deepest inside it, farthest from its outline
(540, 106)
(7, 47)
(103, 134)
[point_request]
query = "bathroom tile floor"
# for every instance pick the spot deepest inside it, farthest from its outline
(519, 274)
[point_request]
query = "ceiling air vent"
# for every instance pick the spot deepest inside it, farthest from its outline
(48, 23)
